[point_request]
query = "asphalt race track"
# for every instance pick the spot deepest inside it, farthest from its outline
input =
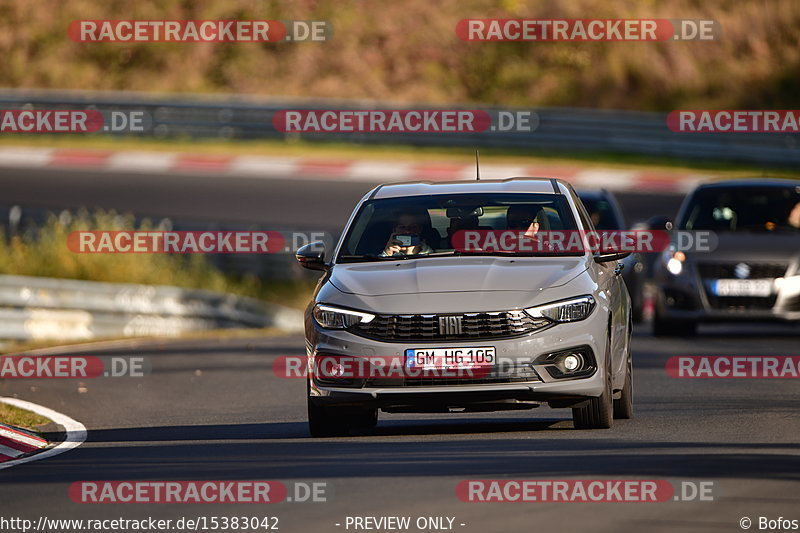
(286, 203)
(214, 410)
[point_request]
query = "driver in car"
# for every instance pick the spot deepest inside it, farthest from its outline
(524, 220)
(406, 237)
(522, 217)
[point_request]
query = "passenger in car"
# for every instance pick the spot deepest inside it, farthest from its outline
(524, 217)
(459, 224)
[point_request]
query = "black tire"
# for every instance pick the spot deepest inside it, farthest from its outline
(663, 327)
(323, 423)
(623, 406)
(364, 419)
(338, 421)
(599, 414)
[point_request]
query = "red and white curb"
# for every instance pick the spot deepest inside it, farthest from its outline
(312, 168)
(14, 445)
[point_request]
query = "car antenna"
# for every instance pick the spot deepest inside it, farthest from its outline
(477, 166)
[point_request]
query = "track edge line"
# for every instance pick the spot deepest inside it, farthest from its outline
(76, 432)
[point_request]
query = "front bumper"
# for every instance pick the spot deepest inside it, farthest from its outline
(542, 387)
(688, 297)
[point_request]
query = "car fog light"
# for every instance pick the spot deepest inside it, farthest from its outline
(337, 370)
(571, 362)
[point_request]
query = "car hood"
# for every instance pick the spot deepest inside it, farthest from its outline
(456, 274)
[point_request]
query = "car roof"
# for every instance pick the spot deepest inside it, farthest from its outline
(751, 182)
(508, 185)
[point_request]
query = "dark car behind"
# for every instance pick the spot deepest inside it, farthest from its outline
(606, 215)
(753, 273)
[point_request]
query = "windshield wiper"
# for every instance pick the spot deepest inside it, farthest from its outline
(373, 257)
(358, 258)
(514, 253)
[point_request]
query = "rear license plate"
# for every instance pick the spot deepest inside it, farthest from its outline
(742, 287)
(451, 358)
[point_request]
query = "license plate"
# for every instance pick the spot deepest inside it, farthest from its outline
(742, 287)
(451, 358)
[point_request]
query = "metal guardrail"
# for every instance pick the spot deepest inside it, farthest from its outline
(34, 308)
(561, 129)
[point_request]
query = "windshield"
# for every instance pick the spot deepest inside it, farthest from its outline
(423, 226)
(754, 209)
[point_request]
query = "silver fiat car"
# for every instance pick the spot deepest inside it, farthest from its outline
(409, 318)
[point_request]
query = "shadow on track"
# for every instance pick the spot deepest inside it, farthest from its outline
(283, 450)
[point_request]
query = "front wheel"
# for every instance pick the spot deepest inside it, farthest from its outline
(623, 407)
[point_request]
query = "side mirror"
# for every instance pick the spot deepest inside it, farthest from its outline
(660, 222)
(614, 256)
(312, 256)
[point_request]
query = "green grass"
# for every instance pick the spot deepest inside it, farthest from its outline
(46, 254)
(14, 416)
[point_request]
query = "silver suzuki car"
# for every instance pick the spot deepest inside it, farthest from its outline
(408, 319)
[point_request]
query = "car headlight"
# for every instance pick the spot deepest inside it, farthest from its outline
(570, 310)
(330, 317)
